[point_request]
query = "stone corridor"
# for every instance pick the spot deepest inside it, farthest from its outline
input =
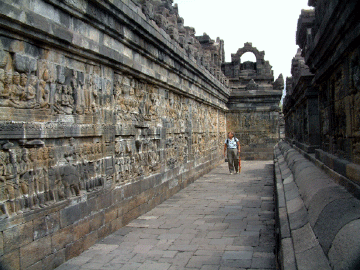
(219, 222)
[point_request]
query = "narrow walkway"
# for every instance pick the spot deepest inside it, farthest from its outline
(220, 222)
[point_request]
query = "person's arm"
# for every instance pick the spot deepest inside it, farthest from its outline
(225, 146)
(238, 144)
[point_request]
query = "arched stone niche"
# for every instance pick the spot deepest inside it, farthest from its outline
(248, 48)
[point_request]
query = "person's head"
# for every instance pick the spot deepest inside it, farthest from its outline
(230, 135)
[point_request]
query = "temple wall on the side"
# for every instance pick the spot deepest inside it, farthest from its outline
(102, 117)
(322, 103)
(254, 101)
(257, 131)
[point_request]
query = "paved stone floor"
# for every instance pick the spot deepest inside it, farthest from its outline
(220, 222)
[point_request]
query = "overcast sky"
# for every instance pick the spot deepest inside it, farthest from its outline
(269, 24)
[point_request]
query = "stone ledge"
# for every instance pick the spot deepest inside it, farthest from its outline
(318, 221)
(341, 166)
(307, 148)
(341, 171)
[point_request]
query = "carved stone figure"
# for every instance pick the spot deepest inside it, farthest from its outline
(7, 85)
(12, 184)
(3, 190)
(64, 100)
(70, 178)
(44, 95)
(17, 91)
(30, 92)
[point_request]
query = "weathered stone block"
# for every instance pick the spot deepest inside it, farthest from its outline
(62, 237)
(11, 260)
(345, 250)
(69, 215)
(1, 244)
(105, 200)
(76, 248)
(54, 260)
(3, 56)
(35, 251)
(118, 223)
(18, 235)
(46, 225)
(97, 220)
(24, 63)
(130, 215)
(322, 198)
(111, 214)
(105, 230)
(304, 239)
(333, 217)
(81, 228)
(353, 172)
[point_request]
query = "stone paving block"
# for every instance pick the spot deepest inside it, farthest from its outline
(167, 236)
(149, 265)
(121, 256)
(246, 241)
(230, 268)
(236, 263)
(214, 234)
(112, 266)
(210, 267)
(187, 236)
(143, 249)
(263, 263)
(222, 241)
(204, 226)
(182, 248)
(169, 254)
(237, 255)
(93, 265)
(250, 233)
(199, 261)
(81, 260)
(67, 266)
(181, 242)
(131, 266)
(140, 258)
(232, 232)
(239, 248)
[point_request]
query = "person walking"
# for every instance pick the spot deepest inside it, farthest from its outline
(232, 147)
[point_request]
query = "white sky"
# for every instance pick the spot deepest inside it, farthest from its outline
(269, 24)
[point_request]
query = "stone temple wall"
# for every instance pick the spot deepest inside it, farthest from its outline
(104, 113)
(322, 113)
(253, 104)
(322, 107)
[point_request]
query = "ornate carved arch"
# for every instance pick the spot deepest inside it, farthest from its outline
(248, 48)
